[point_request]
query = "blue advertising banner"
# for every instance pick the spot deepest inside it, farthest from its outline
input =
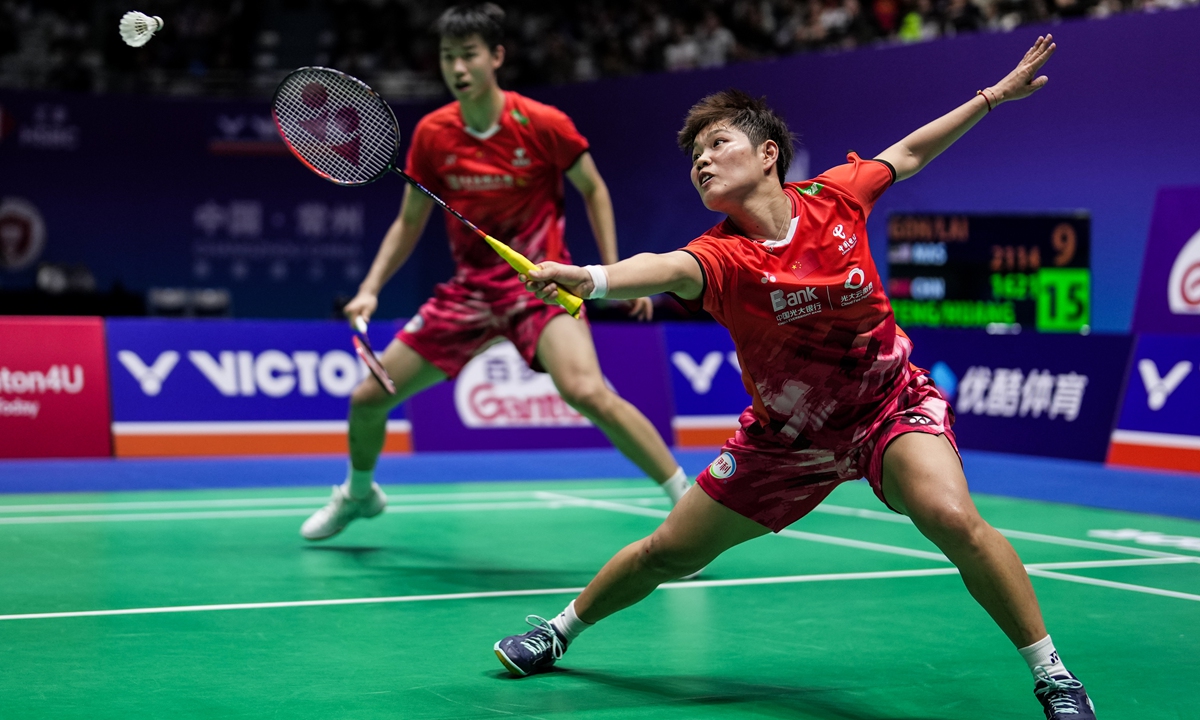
(222, 387)
(1035, 394)
(1159, 424)
(498, 403)
(706, 380)
(1168, 298)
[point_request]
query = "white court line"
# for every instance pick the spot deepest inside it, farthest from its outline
(679, 585)
(682, 585)
(547, 504)
(1014, 534)
(317, 501)
(1112, 584)
(813, 537)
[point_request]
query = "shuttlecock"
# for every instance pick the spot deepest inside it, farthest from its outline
(137, 28)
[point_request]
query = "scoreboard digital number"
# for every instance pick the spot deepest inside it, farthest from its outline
(1001, 272)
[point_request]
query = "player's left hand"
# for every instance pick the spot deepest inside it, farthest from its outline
(642, 309)
(1024, 80)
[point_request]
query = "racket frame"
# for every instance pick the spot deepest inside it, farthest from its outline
(362, 346)
(572, 303)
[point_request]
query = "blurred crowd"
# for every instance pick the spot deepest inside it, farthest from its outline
(243, 47)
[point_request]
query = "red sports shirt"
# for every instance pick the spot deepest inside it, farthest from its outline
(819, 348)
(507, 181)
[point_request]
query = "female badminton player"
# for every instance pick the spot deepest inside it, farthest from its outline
(498, 158)
(788, 273)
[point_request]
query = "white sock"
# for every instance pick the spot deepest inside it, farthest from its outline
(1042, 654)
(358, 483)
(568, 623)
(676, 485)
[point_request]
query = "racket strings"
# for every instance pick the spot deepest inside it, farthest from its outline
(337, 125)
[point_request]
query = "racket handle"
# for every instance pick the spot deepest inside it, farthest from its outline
(360, 324)
(520, 263)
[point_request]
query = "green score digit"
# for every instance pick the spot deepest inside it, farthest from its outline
(1064, 299)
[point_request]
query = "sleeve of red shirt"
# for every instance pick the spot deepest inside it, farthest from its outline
(865, 180)
(419, 163)
(711, 254)
(562, 141)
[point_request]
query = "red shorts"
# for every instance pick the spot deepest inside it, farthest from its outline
(775, 485)
(457, 322)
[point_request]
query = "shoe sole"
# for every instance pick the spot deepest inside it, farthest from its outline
(508, 665)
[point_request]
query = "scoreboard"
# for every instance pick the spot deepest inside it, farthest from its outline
(1004, 273)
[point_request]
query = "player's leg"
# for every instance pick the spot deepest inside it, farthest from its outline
(370, 405)
(923, 478)
(566, 351)
(697, 531)
(359, 496)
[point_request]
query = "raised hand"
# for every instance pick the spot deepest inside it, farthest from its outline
(1024, 80)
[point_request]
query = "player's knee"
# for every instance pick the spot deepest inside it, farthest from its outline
(368, 396)
(667, 559)
(954, 524)
(589, 396)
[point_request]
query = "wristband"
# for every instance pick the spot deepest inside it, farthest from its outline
(985, 99)
(599, 281)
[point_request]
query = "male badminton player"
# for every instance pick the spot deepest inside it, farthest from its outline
(498, 158)
(834, 396)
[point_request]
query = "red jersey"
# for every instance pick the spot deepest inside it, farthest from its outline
(819, 348)
(508, 181)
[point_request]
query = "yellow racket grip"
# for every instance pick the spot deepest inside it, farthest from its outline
(521, 264)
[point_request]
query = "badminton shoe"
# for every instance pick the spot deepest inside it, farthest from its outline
(535, 651)
(334, 517)
(1062, 697)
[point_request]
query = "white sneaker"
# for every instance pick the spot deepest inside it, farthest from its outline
(334, 517)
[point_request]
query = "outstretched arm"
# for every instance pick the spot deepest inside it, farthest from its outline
(641, 275)
(914, 152)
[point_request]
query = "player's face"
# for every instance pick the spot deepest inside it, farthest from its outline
(469, 67)
(726, 166)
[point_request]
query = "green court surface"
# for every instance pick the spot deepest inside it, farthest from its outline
(208, 604)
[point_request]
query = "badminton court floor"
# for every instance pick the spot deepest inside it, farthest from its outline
(207, 603)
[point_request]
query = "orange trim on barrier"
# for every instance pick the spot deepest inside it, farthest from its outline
(1153, 456)
(250, 444)
(703, 437)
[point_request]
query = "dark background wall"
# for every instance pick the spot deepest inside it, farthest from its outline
(143, 194)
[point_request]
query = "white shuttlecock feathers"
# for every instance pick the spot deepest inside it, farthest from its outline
(137, 28)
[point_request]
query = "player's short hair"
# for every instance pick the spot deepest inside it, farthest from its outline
(463, 21)
(751, 116)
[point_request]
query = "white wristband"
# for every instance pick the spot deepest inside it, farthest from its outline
(599, 281)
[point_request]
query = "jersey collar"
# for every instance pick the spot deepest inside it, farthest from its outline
(495, 128)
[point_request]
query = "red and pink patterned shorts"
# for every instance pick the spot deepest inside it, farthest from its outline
(458, 322)
(776, 485)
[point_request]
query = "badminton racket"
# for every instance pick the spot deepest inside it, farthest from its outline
(343, 131)
(362, 346)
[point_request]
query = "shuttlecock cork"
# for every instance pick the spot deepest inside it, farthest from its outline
(137, 28)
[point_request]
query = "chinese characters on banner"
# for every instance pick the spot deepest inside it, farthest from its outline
(1036, 394)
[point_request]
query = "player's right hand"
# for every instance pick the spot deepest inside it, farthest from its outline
(545, 279)
(362, 305)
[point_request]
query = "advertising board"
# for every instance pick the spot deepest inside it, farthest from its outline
(216, 387)
(1159, 425)
(498, 403)
(53, 388)
(1168, 298)
(1034, 394)
(706, 381)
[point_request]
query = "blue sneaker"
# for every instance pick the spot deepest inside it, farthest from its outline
(1062, 697)
(535, 651)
